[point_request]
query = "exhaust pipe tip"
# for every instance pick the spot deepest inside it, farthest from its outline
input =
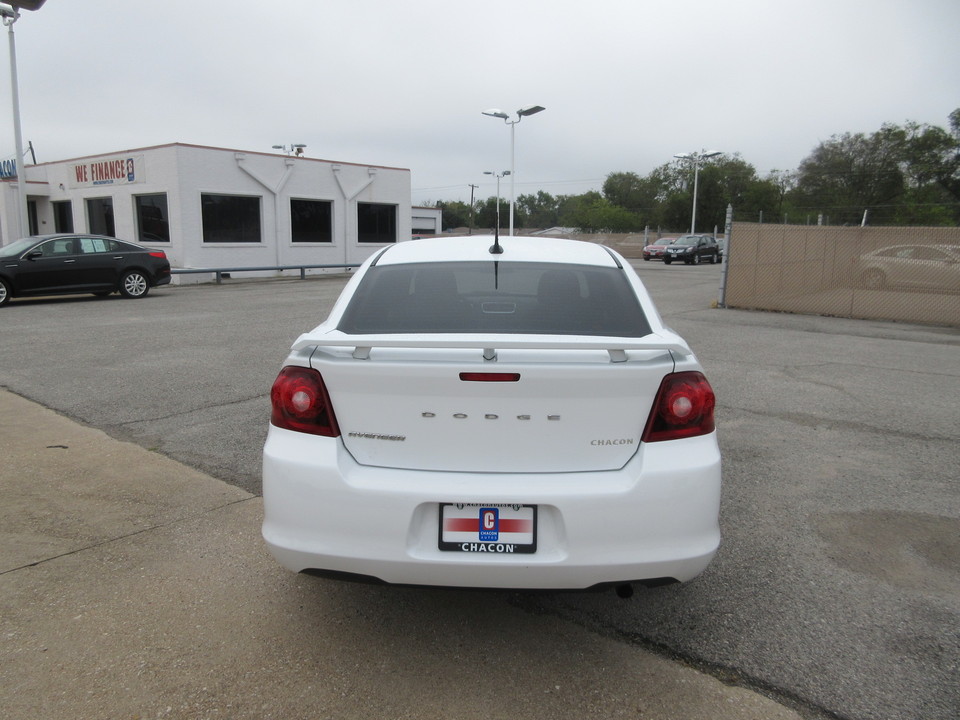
(624, 592)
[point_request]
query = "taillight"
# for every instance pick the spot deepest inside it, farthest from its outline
(301, 403)
(158, 254)
(683, 408)
(489, 377)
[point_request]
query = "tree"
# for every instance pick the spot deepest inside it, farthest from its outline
(598, 214)
(625, 189)
(455, 213)
(486, 216)
(760, 199)
(849, 174)
(675, 211)
(930, 159)
(641, 196)
(950, 180)
(569, 207)
(930, 205)
(538, 211)
(725, 180)
(767, 199)
(900, 174)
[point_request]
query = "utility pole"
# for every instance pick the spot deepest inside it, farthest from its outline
(472, 188)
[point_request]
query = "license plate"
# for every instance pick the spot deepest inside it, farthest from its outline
(492, 528)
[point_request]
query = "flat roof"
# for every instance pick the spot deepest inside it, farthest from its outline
(218, 149)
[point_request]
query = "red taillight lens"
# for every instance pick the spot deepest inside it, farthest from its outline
(683, 408)
(301, 403)
(158, 254)
(489, 377)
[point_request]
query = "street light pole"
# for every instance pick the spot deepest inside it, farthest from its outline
(10, 16)
(498, 176)
(10, 11)
(521, 113)
(696, 158)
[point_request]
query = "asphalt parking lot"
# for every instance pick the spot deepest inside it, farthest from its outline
(836, 591)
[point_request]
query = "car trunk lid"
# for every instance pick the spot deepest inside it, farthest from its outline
(535, 405)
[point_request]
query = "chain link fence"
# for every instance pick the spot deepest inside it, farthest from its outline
(909, 274)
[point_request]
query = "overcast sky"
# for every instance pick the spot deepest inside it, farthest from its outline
(402, 83)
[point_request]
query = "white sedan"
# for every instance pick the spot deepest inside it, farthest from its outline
(497, 413)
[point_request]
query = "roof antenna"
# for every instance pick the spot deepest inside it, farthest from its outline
(496, 248)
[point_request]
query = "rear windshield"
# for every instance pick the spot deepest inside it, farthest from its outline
(495, 297)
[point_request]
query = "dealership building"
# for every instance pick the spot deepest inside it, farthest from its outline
(217, 208)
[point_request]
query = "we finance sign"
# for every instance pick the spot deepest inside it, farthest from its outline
(108, 171)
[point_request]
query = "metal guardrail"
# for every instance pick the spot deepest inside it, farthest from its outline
(220, 272)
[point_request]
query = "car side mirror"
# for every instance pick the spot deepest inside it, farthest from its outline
(34, 255)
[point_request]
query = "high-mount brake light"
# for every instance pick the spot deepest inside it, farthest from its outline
(489, 377)
(683, 408)
(300, 402)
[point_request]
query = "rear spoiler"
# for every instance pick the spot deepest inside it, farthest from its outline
(616, 347)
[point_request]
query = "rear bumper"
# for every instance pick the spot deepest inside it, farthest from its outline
(655, 518)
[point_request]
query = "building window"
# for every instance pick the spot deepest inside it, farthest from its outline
(153, 222)
(100, 216)
(311, 221)
(230, 218)
(32, 217)
(376, 223)
(63, 216)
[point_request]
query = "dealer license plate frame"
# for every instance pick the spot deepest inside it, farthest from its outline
(498, 541)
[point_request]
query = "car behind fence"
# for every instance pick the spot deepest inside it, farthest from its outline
(909, 274)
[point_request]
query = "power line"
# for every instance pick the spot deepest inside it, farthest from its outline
(529, 183)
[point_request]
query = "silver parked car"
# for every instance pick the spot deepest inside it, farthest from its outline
(920, 267)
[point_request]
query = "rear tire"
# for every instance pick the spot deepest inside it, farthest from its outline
(667, 261)
(134, 284)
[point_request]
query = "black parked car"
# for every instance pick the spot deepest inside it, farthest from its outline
(65, 264)
(693, 249)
